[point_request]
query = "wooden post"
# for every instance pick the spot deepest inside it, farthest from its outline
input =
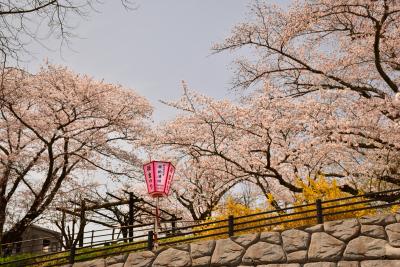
(150, 241)
(112, 235)
(91, 239)
(320, 215)
(230, 225)
(173, 225)
(130, 219)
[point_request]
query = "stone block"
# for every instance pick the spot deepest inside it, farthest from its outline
(294, 240)
(378, 219)
(325, 247)
(159, 249)
(343, 229)
(315, 228)
(297, 256)
(262, 253)
(348, 264)
(173, 258)
(246, 240)
(227, 252)
(92, 263)
(392, 252)
(116, 259)
(280, 265)
(202, 249)
(185, 247)
(320, 264)
(393, 233)
(271, 237)
(201, 262)
(365, 247)
(375, 231)
(140, 259)
(380, 263)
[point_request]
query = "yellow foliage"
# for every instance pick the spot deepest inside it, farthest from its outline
(326, 190)
(231, 207)
(222, 212)
(319, 188)
(312, 189)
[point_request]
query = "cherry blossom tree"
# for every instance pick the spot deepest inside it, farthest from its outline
(325, 100)
(273, 141)
(237, 142)
(199, 187)
(322, 48)
(321, 45)
(55, 126)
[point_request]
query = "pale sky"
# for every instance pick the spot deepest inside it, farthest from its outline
(153, 48)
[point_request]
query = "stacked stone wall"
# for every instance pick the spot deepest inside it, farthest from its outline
(364, 242)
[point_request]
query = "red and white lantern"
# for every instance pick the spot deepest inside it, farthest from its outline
(158, 176)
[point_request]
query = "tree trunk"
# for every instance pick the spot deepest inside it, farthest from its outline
(3, 205)
(15, 233)
(124, 232)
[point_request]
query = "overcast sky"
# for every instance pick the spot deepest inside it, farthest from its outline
(151, 49)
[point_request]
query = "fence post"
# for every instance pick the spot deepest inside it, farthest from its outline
(112, 236)
(150, 241)
(230, 225)
(173, 224)
(91, 239)
(320, 215)
(130, 218)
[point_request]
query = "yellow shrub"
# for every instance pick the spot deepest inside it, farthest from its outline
(324, 189)
(231, 207)
(313, 189)
(222, 212)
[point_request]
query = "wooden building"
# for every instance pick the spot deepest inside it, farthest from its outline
(35, 239)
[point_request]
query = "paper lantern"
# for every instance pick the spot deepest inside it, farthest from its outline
(158, 175)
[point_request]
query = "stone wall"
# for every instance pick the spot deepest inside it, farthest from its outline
(365, 242)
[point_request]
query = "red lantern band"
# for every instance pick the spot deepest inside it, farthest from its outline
(158, 176)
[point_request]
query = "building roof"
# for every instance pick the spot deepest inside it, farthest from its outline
(33, 226)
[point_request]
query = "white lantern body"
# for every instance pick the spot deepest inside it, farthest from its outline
(158, 175)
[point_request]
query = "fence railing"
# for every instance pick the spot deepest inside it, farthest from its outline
(92, 239)
(289, 217)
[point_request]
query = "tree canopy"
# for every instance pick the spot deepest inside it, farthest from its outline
(318, 95)
(55, 124)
